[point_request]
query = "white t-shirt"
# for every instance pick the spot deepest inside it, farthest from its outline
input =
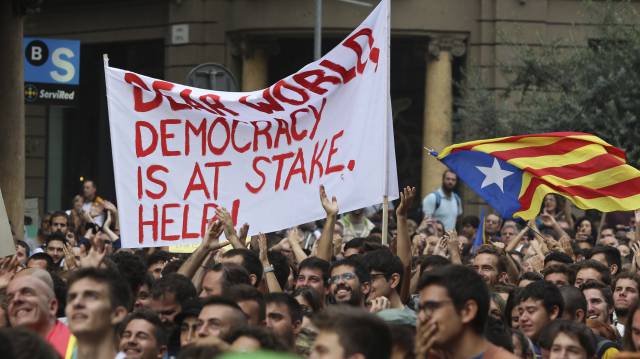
(448, 211)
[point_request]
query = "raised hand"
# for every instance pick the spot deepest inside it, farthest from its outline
(294, 235)
(224, 216)
(330, 206)
(441, 247)
(95, 256)
(212, 235)
(425, 338)
(406, 199)
(547, 219)
(8, 269)
(379, 304)
(110, 207)
(242, 234)
(69, 258)
(262, 244)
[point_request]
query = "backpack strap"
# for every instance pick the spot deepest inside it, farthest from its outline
(438, 201)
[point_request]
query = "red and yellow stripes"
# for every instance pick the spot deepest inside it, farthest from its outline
(579, 166)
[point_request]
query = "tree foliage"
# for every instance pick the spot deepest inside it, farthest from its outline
(589, 87)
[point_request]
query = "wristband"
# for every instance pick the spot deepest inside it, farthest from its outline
(268, 269)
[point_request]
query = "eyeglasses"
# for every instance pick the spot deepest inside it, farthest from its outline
(430, 306)
(344, 276)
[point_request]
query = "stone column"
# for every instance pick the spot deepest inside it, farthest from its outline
(254, 69)
(12, 122)
(437, 131)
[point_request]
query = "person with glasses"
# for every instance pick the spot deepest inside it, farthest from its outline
(452, 314)
(349, 282)
(386, 270)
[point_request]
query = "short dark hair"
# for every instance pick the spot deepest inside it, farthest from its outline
(295, 310)
(611, 254)
(462, 284)
(152, 318)
(572, 329)
(232, 274)
(267, 338)
(159, 256)
(58, 214)
(22, 343)
(403, 337)
(119, 291)
(244, 292)
(355, 243)
(175, 283)
(250, 261)
(55, 236)
(433, 261)
(317, 264)
(382, 260)
(561, 268)
(605, 274)
(548, 293)
(491, 249)
(574, 299)
(131, 267)
(357, 331)
(532, 276)
(498, 333)
(472, 221)
(42, 256)
(626, 275)
(240, 319)
(359, 269)
(604, 289)
(24, 245)
(311, 296)
(557, 256)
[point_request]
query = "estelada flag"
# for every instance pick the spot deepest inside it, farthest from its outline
(513, 174)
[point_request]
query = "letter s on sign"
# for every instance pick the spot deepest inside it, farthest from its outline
(59, 62)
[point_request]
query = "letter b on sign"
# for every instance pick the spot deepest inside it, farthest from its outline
(36, 53)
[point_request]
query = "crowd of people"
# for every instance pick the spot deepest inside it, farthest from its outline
(558, 286)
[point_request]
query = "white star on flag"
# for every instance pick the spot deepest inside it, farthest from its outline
(494, 174)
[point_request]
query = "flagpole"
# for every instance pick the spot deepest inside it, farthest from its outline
(385, 198)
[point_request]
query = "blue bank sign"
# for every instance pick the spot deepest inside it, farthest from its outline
(51, 70)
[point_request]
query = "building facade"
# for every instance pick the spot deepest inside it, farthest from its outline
(434, 42)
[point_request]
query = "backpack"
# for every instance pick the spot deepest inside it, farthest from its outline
(439, 200)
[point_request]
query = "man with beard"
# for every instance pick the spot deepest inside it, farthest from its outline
(59, 222)
(349, 282)
(168, 296)
(599, 301)
(444, 204)
(313, 272)
(142, 336)
(54, 246)
(625, 297)
(283, 317)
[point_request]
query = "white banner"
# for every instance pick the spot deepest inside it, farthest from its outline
(179, 152)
